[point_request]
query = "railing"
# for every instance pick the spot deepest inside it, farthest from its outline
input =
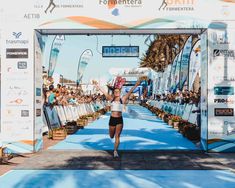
(185, 111)
(60, 115)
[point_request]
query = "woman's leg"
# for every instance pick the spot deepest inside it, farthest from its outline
(117, 136)
(112, 130)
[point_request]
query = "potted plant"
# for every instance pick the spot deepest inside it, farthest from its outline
(165, 118)
(192, 132)
(176, 120)
(170, 122)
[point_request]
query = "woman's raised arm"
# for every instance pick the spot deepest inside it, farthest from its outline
(108, 97)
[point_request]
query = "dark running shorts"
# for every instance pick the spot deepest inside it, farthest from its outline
(113, 121)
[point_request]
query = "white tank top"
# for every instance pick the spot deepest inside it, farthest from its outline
(116, 106)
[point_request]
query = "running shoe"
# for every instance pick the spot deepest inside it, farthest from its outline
(115, 154)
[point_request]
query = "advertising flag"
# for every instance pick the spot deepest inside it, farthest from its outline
(55, 49)
(176, 77)
(82, 64)
(195, 64)
(184, 68)
(172, 74)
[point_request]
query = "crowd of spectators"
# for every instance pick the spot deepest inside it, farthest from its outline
(67, 95)
(182, 97)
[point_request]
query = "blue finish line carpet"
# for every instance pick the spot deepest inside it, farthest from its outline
(142, 131)
(118, 179)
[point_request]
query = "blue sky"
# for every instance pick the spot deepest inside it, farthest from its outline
(98, 66)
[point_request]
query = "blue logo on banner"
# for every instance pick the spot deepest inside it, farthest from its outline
(17, 35)
(224, 90)
(115, 12)
(38, 92)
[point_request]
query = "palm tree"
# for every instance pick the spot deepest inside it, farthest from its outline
(162, 51)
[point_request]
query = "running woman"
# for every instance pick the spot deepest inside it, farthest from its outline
(116, 119)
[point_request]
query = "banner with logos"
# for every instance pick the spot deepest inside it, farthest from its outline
(84, 59)
(221, 94)
(173, 69)
(55, 49)
(195, 63)
(176, 78)
(38, 93)
(167, 75)
(184, 66)
(163, 81)
(17, 77)
(204, 87)
(18, 26)
(120, 14)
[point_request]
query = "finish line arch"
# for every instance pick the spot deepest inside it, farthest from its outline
(21, 47)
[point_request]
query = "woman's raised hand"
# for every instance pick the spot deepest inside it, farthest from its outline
(94, 82)
(140, 80)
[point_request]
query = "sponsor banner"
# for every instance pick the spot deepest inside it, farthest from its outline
(224, 101)
(38, 121)
(16, 82)
(195, 63)
(178, 6)
(84, 59)
(224, 53)
(55, 49)
(221, 88)
(24, 113)
(224, 90)
(16, 38)
(118, 13)
(52, 6)
(184, 66)
(176, 78)
(224, 112)
(164, 80)
(38, 92)
(22, 64)
(173, 69)
(17, 53)
(229, 129)
(204, 95)
(168, 77)
(38, 112)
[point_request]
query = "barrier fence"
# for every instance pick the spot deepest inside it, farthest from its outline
(60, 118)
(185, 111)
(183, 117)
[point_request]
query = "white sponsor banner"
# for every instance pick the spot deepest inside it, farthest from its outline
(38, 111)
(204, 86)
(221, 95)
(87, 14)
(55, 49)
(17, 84)
(176, 77)
(167, 77)
(84, 59)
(173, 69)
(195, 63)
(184, 66)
